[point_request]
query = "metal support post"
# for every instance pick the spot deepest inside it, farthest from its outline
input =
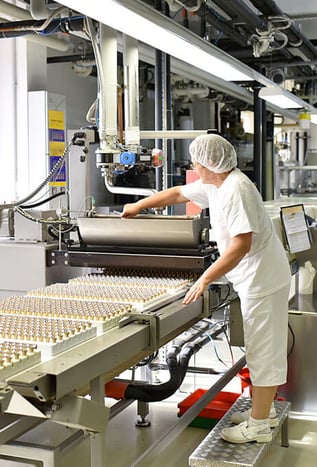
(143, 412)
(98, 440)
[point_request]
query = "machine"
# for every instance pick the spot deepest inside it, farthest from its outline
(61, 343)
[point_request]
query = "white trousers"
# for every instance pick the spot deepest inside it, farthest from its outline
(265, 325)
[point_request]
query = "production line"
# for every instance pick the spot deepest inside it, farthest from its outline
(94, 274)
(61, 341)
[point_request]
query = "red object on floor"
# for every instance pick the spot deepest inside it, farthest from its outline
(215, 409)
(244, 376)
(116, 389)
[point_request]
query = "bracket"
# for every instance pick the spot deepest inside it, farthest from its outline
(152, 319)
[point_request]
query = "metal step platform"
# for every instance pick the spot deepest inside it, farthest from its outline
(213, 451)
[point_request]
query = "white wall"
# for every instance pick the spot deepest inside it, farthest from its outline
(23, 69)
(80, 92)
(8, 152)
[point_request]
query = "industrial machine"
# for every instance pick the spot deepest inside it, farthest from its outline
(63, 342)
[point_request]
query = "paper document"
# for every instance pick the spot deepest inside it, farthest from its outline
(295, 228)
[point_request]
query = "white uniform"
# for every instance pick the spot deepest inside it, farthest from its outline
(261, 278)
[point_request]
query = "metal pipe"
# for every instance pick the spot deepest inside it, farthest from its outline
(131, 90)
(257, 148)
(108, 85)
(239, 8)
(266, 170)
(123, 190)
(11, 12)
(158, 113)
(269, 8)
(208, 15)
(171, 134)
(38, 9)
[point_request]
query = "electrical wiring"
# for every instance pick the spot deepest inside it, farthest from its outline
(216, 352)
(42, 201)
(80, 210)
(41, 220)
(293, 340)
(63, 21)
(146, 361)
(228, 342)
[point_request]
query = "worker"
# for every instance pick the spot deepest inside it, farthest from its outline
(253, 260)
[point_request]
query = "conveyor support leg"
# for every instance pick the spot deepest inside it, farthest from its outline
(98, 440)
(143, 412)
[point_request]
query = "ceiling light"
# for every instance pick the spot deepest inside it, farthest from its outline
(281, 98)
(147, 25)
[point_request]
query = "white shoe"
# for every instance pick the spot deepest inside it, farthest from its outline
(243, 433)
(238, 417)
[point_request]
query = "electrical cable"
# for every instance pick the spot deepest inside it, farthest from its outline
(216, 352)
(228, 342)
(55, 168)
(293, 340)
(46, 200)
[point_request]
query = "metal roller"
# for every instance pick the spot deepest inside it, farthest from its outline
(144, 231)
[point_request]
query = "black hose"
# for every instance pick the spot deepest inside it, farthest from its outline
(34, 205)
(177, 369)
(157, 392)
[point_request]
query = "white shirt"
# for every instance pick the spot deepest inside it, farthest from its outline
(236, 207)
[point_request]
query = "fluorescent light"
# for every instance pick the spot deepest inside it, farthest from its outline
(153, 28)
(281, 98)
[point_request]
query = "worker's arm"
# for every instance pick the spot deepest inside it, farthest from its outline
(161, 199)
(237, 249)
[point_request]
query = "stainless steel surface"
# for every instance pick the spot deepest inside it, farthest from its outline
(236, 324)
(142, 231)
(108, 355)
(155, 315)
(54, 388)
(215, 452)
(16, 260)
(300, 388)
(47, 444)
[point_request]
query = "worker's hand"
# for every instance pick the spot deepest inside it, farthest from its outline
(130, 210)
(195, 291)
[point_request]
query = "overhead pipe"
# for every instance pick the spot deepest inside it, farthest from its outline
(39, 9)
(238, 8)
(131, 90)
(269, 8)
(109, 83)
(11, 12)
(207, 14)
(45, 27)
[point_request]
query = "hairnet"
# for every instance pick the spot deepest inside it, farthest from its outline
(213, 152)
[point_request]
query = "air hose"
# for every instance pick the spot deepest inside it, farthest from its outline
(156, 392)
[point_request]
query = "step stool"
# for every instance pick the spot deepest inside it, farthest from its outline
(213, 451)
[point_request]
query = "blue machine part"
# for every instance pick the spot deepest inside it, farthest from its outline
(127, 158)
